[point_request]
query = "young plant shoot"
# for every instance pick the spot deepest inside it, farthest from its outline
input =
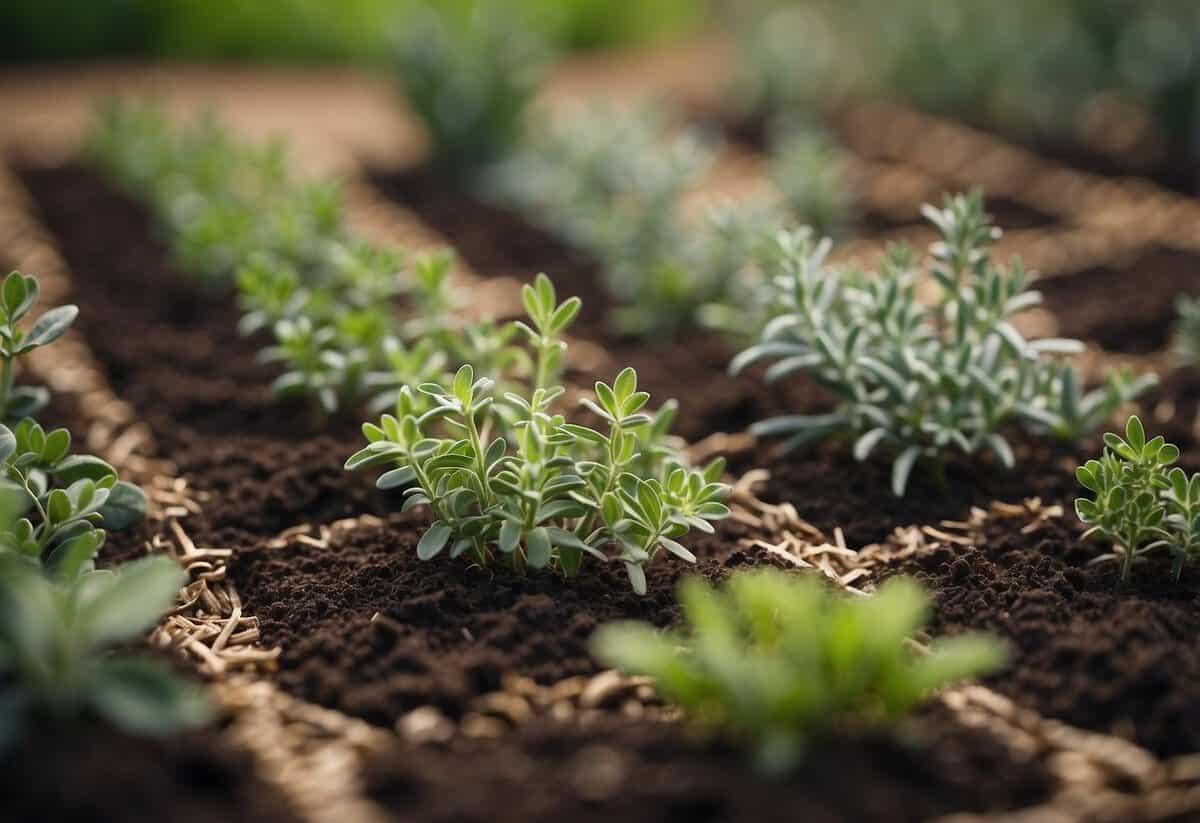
(18, 296)
(508, 476)
(62, 651)
(922, 381)
(777, 661)
(1140, 503)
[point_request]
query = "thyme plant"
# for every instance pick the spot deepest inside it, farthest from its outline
(1140, 502)
(509, 477)
(778, 661)
(921, 381)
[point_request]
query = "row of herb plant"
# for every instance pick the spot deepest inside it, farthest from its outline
(484, 446)
(60, 617)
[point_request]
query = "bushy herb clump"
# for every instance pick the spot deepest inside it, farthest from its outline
(58, 649)
(922, 381)
(470, 83)
(1140, 503)
(233, 212)
(506, 475)
(777, 661)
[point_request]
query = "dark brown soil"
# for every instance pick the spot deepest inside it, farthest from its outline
(1128, 306)
(1007, 213)
(369, 629)
(829, 488)
(95, 775)
(1117, 660)
(653, 772)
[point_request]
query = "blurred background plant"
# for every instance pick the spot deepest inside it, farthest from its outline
(300, 30)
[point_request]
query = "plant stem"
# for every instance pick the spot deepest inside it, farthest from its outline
(7, 373)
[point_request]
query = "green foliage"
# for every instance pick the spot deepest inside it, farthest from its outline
(921, 381)
(470, 83)
(1140, 503)
(63, 497)
(1186, 343)
(507, 475)
(812, 172)
(57, 639)
(777, 661)
(18, 296)
(233, 212)
(610, 182)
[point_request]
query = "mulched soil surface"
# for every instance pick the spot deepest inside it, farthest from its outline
(631, 771)
(1118, 660)
(94, 774)
(369, 629)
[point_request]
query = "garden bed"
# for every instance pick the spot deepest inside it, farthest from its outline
(328, 567)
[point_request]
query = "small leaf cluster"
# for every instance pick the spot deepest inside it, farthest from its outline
(64, 499)
(18, 295)
(922, 381)
(778, 661)
(507, 476)
(57, 649)
(813, 176)
(470, 83)
(233, 213)
(1140, 502)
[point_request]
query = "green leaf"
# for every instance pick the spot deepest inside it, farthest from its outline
(121, 606)
(902, 468)
(510, 536)
(50, 326)
(145, 697)
(1135, 435)
(74, 557)
(537, 548)
(433, 541)
(80, 467)
(396, 478)
(677, 549)
(125, 506)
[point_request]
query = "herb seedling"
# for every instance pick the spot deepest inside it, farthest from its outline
(1140, 503)
(56, 643)
(1186, 344)
(510, 478)
(18, 296)
(64, 498)
(778, 661)
(921, 381)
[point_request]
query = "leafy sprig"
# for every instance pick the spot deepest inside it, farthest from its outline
(63, 500)
(510, 478)
(1140, 502)
(18, 295)
(921, 381)
(777, 661)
